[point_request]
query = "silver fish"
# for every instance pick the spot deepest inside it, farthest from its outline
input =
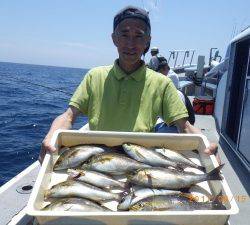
(148, 156)
(77, 155)
(95, 178)
(177, 202)
(79, 189)
(170, 178)
(74, 205)
(178, 158)
(113, 163)
(135, 196)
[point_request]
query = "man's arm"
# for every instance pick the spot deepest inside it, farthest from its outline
(64, 121)
(185, 127)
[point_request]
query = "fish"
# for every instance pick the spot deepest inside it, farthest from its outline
(179, 158)
(63, 149)
(148, 156)
(77, 155)
(75, 205)
(95, 178)
(112, 163)
(175, 202)
(80, 189)
(135, 196)
(170, 178)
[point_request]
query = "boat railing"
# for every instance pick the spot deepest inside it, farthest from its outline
(180, 59)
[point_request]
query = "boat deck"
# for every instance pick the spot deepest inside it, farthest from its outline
(13, 202)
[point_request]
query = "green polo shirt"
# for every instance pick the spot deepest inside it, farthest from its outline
(116, 101)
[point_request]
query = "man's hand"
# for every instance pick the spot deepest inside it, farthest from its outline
(185, 127)
(46, 147)
(64, 121)
(213, 149)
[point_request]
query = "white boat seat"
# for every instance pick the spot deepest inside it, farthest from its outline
(209, 86)
(194, 68)
(184, 83)
(191, 69)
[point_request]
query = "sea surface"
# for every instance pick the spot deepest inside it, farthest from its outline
(31, 96)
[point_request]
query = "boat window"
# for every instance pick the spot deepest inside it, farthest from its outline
(237, 89)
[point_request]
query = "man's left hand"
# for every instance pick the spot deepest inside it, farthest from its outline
(213, 149)
(185, 127)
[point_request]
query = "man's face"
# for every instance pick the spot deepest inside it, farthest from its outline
(153, 53)
(131, 40)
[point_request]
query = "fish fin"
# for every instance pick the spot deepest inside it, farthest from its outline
(195, 151)
(74, 175)
(179, 168)
(139, 154)
(185, 190)
(127, 187)
(201, 168)
(215, 173)
(150, 178)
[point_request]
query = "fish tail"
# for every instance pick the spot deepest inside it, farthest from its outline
(217, 202)
(120, 196)
(127, 187)
(215, 174)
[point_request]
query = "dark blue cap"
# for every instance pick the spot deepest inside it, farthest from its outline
(131, 12)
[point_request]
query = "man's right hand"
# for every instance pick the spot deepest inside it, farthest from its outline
(46, 147)
(64, 121)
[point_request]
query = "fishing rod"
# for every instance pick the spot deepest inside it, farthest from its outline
(15, 79)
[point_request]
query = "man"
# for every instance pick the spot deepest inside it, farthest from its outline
(164, 68)
(154, 61)
(126, 96)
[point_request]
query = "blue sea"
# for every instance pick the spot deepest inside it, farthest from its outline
(31, 96)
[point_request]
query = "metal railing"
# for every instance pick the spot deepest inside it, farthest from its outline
(184, 57)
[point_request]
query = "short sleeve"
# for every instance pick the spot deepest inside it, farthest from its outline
(173, 108)
(80, 98)
(175, 80)
(154, 63)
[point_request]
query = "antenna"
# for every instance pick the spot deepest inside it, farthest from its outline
(143, 4)
(233, 31)
(156, 3)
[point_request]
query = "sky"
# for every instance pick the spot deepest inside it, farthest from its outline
(77, 33)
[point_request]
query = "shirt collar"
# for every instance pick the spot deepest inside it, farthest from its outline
(137, 75)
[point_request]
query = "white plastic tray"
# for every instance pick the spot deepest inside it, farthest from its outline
(178, 142)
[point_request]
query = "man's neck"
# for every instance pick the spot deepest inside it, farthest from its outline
(128, 69)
